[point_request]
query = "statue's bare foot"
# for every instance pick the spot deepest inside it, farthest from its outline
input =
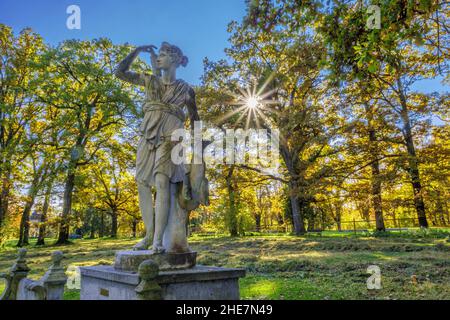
(144, 244)
(158, 248)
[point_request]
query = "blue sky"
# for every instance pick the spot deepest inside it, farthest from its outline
(198, 27)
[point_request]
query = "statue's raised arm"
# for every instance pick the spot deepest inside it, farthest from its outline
(123, 69)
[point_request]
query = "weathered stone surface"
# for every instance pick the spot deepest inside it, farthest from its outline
(130, 260)
(30, 290)
(49, 287)
(148, 288)
(183, 188)
(198, 283)
(55, 278)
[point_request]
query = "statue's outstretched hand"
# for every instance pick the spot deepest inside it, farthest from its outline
(150, 49)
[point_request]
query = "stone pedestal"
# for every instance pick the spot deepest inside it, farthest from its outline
(130, 260)
(145, 275)
(196, 283)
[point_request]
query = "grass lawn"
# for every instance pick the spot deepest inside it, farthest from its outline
(414, 264)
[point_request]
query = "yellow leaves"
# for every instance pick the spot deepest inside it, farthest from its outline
(39, 126)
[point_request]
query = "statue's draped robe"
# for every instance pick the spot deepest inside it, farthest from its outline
(164, 111)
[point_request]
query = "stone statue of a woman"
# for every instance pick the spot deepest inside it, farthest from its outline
(165, 102)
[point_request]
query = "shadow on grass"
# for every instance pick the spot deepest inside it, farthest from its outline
(289, 267)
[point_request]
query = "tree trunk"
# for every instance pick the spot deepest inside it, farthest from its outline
(42, 228)
(4, 196)
(266, 216)
(339, 226)
(114, 224)
(394, 217)
(134, 227)
(101, 232)
(233, 223)
(440, 209)
(280, 219)
(24, 228)
(258, 215)
(232, 215)
(434, 222)
(375, 166)
(63, 236)
(412, 160)
(446, 213)
(376, 196)
(258, 222)
(338, 216)
(365, 212)
(419, 204)
(297, 216)
(312, 224)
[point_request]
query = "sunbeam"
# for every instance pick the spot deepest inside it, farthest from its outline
(250, 102)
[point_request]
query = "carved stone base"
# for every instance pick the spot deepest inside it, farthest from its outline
(130, 260)
(197, 283)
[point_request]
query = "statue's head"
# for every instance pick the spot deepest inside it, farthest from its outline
(170, 55)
